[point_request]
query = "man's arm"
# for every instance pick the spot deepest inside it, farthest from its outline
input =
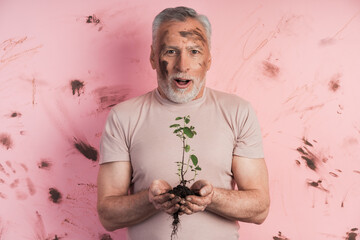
(117, 209)
(250, 203)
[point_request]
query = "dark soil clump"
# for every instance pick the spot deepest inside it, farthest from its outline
(180, 191)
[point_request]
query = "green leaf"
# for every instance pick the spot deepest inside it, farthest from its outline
(188, 132)
(175, 125)
(178, 118)
(187, 120)
(177, 130)
(187, 148)
(194, 159)
(198, 168)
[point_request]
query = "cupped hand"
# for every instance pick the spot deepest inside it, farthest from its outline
(161, 199)
(199, 203)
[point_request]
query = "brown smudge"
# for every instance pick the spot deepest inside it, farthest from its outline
(2, 169)
(317, 185)
(352, 234)
(33, 91)
(163, 68)
(31, 186)
(356, 171)
(3, 196)
(44, 164)
(15, 183)
(108, 97)
(92, 19)
(21, 195)
(15, 114)
(8, 163)
(76, 86)
(333, 174)
(306, 142)
(194, 35)
(2, 181)
(280, 237)
(334, 83)
(105, 236)
(24, 167)
(312, 160)
(270, 69)
(6, 140)
(55, 195)
(88, 151)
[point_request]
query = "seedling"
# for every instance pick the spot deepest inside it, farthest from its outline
(189, 163)
(184, 132)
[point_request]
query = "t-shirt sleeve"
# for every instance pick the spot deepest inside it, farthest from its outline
(113, 144)
(249, 139)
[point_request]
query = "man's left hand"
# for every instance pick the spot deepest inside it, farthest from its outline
(195, 203)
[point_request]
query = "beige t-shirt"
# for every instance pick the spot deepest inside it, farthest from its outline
(138, 131)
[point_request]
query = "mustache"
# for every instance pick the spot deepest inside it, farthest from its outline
(182, 76)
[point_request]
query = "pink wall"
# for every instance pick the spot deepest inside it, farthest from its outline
(296, 61)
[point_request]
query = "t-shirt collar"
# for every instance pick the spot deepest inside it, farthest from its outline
(166, 101)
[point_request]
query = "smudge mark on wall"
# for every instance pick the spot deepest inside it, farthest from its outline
(2, 169)
(318, 185)
(31, 186)
(108, 97)
(3, 196)
(33, 91)
(21, 195)
(13, 48)
(44, 164)
(331, 40)
(86, 149)
(6, 140)
(94, 20)
(105, 236)
(39, 227)
(15, 114)
(352, 234)
(280, 237)
(270, 70)
(333, 174)
(311, 159)
(15, 183)
(8, 163)
(24, 167)
(77, 86)
(334, 83)
(55, 195)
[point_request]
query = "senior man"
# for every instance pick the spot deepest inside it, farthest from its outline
(138, 149)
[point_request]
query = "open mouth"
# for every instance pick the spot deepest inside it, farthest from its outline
(182, 82)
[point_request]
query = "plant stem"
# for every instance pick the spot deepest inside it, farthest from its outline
(182, 162)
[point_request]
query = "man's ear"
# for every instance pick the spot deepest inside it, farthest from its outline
(208, 65)
(152, 58)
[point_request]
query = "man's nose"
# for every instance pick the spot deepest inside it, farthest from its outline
(182, 63)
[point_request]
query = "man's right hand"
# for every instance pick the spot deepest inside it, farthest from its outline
(161, 199)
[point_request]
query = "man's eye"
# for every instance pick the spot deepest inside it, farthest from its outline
(170, 52)
(195, 51)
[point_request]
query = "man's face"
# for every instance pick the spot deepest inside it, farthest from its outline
(181, 58)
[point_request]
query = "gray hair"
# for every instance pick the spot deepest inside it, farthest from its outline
(180, 14)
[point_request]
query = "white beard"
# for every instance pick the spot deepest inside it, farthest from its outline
(177, 95)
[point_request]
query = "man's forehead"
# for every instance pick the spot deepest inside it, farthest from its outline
(190, 29)
(188, 24)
